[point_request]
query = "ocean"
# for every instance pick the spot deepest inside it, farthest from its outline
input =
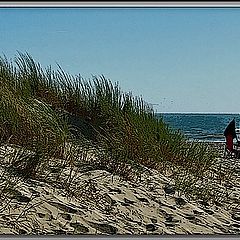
(200, 126)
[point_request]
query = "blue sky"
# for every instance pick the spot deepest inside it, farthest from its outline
(183, 59)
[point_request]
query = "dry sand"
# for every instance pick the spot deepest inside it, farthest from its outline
(106, 204)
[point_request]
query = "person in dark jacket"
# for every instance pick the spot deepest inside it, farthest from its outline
(230, 134)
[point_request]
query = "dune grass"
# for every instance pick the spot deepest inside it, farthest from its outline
(44, 110)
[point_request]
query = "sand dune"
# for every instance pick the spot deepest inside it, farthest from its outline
(106, 204)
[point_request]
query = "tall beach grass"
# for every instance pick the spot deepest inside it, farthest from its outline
(44, 110)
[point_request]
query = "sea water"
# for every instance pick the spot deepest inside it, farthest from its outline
(200, 126)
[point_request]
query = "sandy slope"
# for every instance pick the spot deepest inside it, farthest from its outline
(106, 204)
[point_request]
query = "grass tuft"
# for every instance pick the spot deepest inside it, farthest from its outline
(43, 111)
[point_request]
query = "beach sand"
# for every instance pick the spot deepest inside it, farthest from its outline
(106, 204)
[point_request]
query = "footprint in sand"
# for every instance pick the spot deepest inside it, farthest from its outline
(198, 212)
(171, 221)
(127, 202)
(143, 199)
(180, 201)
(60, 232)
(15, 194)
(103, 227)
(63, 207)
(189, 216)
(117, 190)
(209, 211)
(66, 216)
(46, 216)
(153, 220)
(34, 192)
(79, 228)
(169, 189)
(22, 231)
(236, 216)
(151, 227)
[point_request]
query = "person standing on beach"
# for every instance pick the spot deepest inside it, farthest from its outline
(230, 134)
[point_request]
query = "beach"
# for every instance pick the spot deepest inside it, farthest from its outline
(104, 203)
